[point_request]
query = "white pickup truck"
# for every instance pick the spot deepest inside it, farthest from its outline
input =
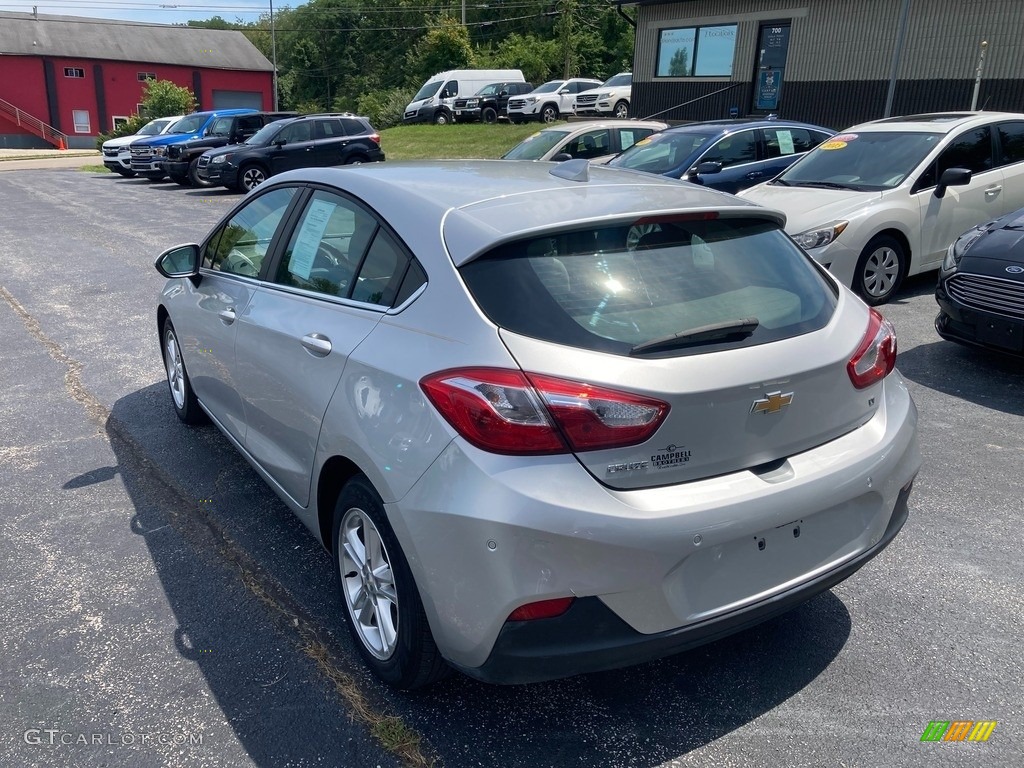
(549, 101)
(116, 155)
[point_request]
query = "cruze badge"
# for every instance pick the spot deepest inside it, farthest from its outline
(1015, 269)
(772, 402)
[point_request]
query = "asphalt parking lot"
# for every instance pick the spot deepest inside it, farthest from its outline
(156, 591)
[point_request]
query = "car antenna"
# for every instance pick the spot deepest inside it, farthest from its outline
(573, 170)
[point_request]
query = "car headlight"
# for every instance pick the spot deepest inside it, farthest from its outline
(160, 151)
(604, 95)
(820, 236)
(530, 99)
(959, 247)
(219, 159)
(472, 103)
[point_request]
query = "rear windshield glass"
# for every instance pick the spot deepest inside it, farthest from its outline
(654, 289)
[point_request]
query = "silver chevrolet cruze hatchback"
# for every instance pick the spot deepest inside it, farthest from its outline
(548, 419)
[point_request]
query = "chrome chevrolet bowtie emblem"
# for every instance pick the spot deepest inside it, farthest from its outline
(772, 402)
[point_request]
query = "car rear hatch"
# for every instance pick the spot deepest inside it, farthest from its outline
(707, 344)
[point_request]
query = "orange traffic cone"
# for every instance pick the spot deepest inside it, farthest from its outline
(60, 143)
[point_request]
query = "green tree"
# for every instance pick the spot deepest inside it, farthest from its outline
(444, 46)
(679, 65)
(162, 98)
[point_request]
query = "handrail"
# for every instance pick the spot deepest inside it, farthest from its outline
(34, 124)
(705, 96)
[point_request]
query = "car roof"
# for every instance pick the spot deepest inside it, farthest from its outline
(729, 126)
(571, 128)
(934, 122)
(481, 203)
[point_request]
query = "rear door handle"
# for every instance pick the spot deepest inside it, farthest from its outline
(227, 315)
(317, 344)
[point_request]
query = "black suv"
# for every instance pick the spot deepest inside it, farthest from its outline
(308, 141)
(489, 103)
(183, 159)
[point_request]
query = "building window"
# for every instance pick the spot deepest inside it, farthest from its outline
(144, 76)
(81, 119)
(696, 51)
(74, 72)
(118, 121)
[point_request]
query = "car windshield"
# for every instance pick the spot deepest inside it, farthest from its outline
(655, 288)
(536, 146)
(613, 82)
(869, 161)
(554, 85)
(153, 127)
(427, 90)
(262, 137)
(190, 124)
(661, 152)
(489, 90)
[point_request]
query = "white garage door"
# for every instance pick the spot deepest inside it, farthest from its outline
(237, 100)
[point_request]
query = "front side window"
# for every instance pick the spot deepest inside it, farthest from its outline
(639, 290)
(736, 149)
(240, 245)
(696, 51)
(589, 145)
(221, 127)
(971, 150)
(338, 249)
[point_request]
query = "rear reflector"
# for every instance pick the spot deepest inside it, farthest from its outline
(509, 412)
(543, 609)
(876, 356)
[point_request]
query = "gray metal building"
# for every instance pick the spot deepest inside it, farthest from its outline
(831, 62)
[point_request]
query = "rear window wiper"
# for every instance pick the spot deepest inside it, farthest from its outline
(730, 329)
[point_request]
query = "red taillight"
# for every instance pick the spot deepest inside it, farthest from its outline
(510, 412)
(543, 609)
(375, 138)
(876, 356)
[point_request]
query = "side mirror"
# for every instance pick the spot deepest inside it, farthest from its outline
(503, 92)
(561, 157)
(279, 142)
(709, 167)
(952, 177)
(179, 261)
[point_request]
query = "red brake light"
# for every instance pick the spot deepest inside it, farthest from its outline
(876, 355)
(375, 138)
(509, 412)
(543, 609)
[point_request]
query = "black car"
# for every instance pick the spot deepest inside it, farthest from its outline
(489, 103)
(981, 287)
(182, 163)
(308, 141)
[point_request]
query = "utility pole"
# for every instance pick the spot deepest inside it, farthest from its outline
(568, 8)
(977, 76)
(273, 50)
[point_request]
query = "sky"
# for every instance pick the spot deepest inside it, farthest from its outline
(157, 11)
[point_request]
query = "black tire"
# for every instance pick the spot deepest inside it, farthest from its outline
(182, 397)
(193, 175)
(153, 175)
(183, 180)
(621, 110)
(880, 269)
(357, 160)
(442, 118)
(549, 113)
(251, 176)
(411, 659)
(128, 174)
(489, 115)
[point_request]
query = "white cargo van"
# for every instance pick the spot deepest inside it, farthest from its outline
(433, 102)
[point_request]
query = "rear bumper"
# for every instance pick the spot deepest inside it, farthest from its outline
(655, 570)
(589, 637)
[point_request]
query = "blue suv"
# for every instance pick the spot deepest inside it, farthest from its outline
(729, 155)
(148, 155)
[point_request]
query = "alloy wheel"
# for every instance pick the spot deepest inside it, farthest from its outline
(368, 584)
(175, 369)
(252, 178)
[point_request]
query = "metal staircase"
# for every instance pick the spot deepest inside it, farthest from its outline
(33, 124)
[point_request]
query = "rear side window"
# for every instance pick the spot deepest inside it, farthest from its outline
(352, 126)
(654, 289)
(780, 142)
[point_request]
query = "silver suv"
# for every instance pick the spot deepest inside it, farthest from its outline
(547, 419)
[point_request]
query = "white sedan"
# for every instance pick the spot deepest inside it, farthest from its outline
(884, 200)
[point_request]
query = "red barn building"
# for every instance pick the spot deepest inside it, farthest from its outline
(65, 79)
